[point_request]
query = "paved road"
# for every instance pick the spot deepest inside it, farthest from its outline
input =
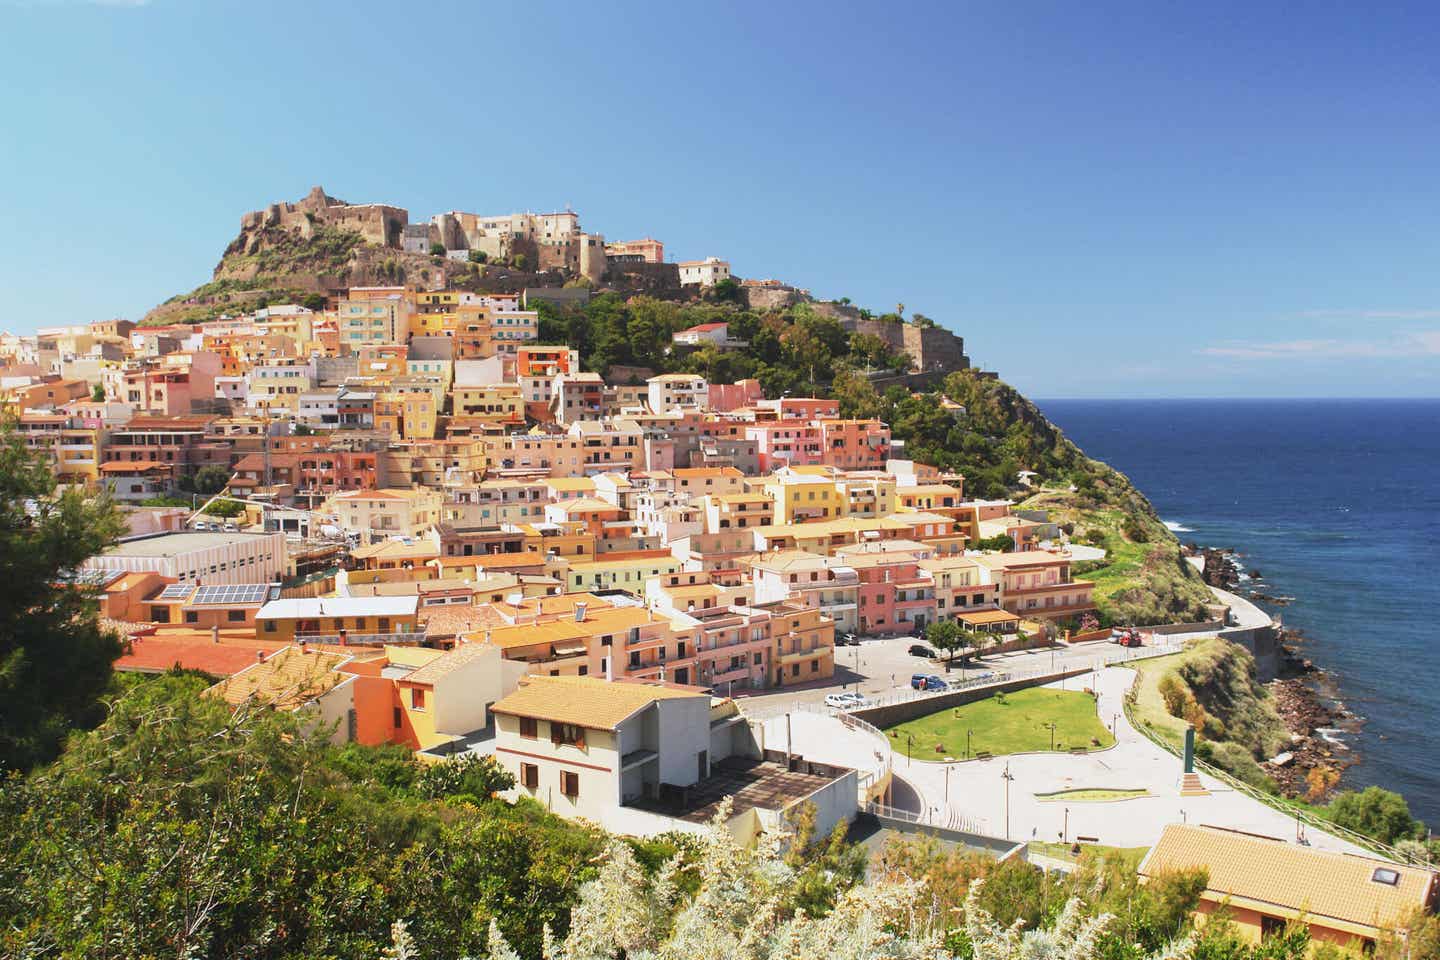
(977, 790)
(880, 666)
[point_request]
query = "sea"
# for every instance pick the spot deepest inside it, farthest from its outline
(1335, 503)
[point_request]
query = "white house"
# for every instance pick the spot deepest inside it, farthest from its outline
(705, 273)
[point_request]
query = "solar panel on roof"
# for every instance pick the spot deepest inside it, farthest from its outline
(176, 591)
(232, 593)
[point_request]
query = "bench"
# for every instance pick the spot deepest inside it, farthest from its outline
(1087, 839)
(983, 755)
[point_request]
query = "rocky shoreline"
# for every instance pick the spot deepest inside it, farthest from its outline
(1305, 696)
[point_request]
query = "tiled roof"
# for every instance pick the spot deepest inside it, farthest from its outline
(1291, 879)
(285, 680)
(442, 667)
(585, 701)
(156, 655)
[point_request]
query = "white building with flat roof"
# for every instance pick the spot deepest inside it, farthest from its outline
(199, 556)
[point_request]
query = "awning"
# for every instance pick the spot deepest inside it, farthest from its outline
(570, 651)
(984, 618)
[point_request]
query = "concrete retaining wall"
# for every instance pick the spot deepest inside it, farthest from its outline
(893, 713)
(1000, 849)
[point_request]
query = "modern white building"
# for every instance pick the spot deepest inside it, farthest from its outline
(200, 557)
(643, 758)
(671, 391)
(704, 273)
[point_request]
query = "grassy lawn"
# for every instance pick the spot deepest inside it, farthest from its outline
(1065, 851)
(1015, 725)
(1096, 795)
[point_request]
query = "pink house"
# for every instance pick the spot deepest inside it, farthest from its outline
(784, 443)
(803, 408)
(854, 444)
(170, 387)
(733, 396)
(895, 594)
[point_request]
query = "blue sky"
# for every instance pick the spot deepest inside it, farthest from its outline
(1108, 199)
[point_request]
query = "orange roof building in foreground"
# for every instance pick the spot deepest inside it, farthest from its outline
(1262, 884)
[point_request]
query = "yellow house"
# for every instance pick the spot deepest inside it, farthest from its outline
(800, 498)
(342, 620)
(492, 402)
(622, 570)
(1261, 885)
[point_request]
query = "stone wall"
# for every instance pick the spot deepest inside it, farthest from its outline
(377, 223)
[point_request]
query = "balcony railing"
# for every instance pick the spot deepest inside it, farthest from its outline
(363, 639)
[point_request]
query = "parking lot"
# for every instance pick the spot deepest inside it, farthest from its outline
(878, 666)
(872, 667)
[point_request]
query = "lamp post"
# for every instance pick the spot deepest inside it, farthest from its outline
(909, 750)
(968, 734)
(1065, 827)
(1051, 727)
(947, 785)
(1007, 777)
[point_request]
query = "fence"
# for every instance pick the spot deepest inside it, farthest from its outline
(950, 820)
(868, 779)
(1301, 814)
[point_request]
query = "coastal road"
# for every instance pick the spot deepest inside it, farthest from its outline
(977, 790)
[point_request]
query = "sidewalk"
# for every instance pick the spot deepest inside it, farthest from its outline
(977, 790)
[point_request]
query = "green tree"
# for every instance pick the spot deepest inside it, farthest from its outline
(520, 261)
(211, 479)
(478, 256)
(856, 395)
(97, 393)
(1375, 812)
(313, 301)
(55, 658)
(726, 290)
(945, 635)
(1002, 542)
(437, 249)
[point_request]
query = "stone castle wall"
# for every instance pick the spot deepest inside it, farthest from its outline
(377, 223)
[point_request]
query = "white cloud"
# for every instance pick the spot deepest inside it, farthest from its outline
(1425, 343)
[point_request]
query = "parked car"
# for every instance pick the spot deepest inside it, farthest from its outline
(231, 528)
(200, 525)
(920, 650)
(846, 640)
(1126, 637)
(927, 681)
(846, 701)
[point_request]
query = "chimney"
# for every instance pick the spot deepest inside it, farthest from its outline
(579, 613)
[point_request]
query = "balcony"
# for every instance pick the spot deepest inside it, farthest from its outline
(807, 652)
(416, 639)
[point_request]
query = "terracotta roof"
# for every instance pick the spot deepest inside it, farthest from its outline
(585, 701)
(441, 667)
(156, 655)
(1287, 879)
(286, 680)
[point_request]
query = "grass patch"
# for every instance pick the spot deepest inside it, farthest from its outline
(1093, 795)
(1014, 724)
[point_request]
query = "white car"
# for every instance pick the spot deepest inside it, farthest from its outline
(846, 701)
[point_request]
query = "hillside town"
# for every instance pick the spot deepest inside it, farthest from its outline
(653, 600)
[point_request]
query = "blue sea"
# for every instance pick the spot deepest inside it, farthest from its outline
(1337, 504)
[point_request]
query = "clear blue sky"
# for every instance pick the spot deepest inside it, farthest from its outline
(1107, 199)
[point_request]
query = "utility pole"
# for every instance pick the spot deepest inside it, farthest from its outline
(1007, 777)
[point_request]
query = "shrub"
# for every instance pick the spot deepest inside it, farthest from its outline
(437, 249)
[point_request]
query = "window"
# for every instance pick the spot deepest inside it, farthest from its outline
(235, 616)
(529, 776)
(528, 728)
(417, 698)
(562, 734)
(570, 784)
(269, 626)
(399, 717)
(191, 616)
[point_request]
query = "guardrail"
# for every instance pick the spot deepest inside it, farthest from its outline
(1277, 803)
(950, 821)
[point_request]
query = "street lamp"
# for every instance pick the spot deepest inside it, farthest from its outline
(1051, 727)
(968, 734)
(1007, 777)
(947, 784)
(1065, 827)
(909, 750)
